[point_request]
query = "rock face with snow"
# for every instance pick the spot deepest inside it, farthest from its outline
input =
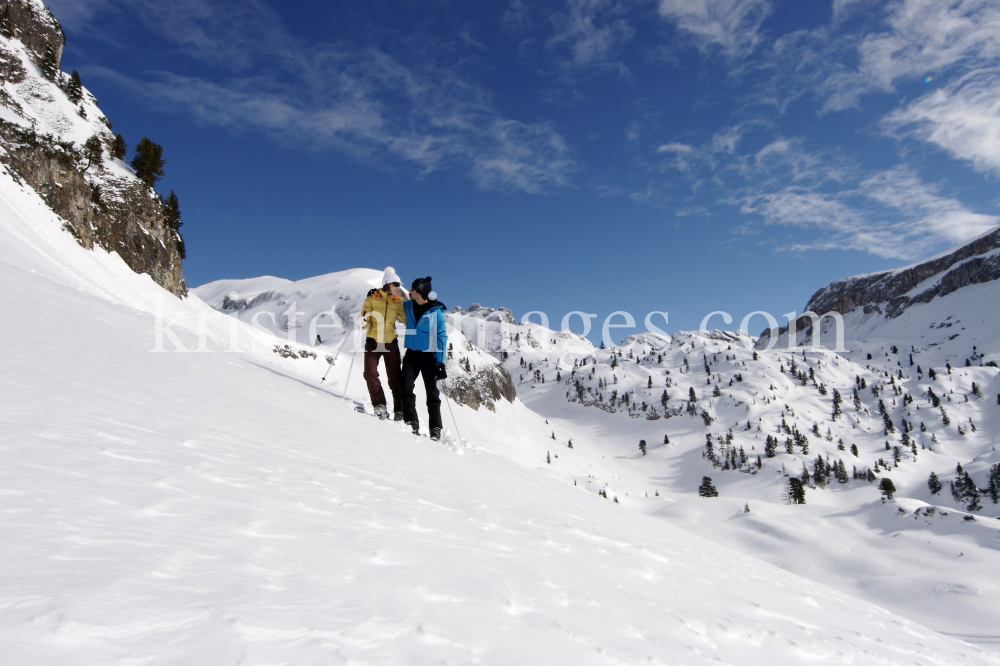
(892, 292)
(904, 303)
(42, 132)
(34, 26)
(500, 315)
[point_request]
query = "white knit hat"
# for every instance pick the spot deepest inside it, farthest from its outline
(389, 276)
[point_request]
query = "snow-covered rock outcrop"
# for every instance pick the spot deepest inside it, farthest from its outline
(44, 125)
(944, 306)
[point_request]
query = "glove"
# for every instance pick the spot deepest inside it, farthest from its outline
(439, 371)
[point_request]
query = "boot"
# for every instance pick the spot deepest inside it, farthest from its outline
(416, 427)
(436, 434)
(381, 412)
(398, 417)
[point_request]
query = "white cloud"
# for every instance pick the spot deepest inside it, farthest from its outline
(925, 211)
(589, 34)
(433, 121)
(924, 37)
(893, 214)
(730, 25)
(681, 148)
(362, 102)
(962, 118)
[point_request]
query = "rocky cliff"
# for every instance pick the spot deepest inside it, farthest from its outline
(892, 292)
(889, 294)
(42, 136)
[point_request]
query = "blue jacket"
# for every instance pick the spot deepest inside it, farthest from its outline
(418, 333)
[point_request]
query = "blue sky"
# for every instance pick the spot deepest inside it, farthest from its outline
(595, 155)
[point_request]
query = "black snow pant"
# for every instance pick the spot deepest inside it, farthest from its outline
(422, 363)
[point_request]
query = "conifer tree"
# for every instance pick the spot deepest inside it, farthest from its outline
(837, 399)
(120, 148)
(49, 65)
(840, 471)
(971, 494)
(886, 421)
(172, 215)
(887, 488)
(934, 484)
(706, 489)
(796, 491)
(642, 446)
(148, 162)
(993, 483)
(93, 152)
(74, 89)
(692, 396)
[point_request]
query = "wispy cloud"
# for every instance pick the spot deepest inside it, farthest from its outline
(924, 210)
(362, 102)
(589, 35)
(732, 26)
(870, 48)
(892, 214)
(963, 118)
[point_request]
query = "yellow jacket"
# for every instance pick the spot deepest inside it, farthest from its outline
(380, 312)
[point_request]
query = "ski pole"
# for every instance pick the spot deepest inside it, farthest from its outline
(347, 381)
(448, 402)
(336, 356)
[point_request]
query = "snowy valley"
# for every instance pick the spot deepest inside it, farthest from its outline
(187, 479)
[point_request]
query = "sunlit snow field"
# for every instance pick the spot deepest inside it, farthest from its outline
(211, 508)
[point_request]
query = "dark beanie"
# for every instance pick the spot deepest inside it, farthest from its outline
(422, 286)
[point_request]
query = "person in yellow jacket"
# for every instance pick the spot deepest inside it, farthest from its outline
(380, 312)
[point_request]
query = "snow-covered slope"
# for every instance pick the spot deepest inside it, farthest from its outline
(215, 508)
(603, 402)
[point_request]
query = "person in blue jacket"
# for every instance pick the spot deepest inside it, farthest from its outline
(426, 342)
